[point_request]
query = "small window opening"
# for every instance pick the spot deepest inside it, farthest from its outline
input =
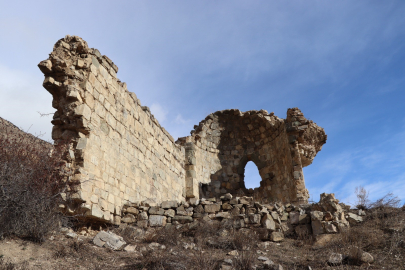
(252, 176)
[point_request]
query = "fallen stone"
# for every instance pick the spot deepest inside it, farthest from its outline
(155, 245)
(71, 235)
(353, 218)
(246, 200)
(330, 228)
(234, 201)
(233, 253)
(316, 215)
(324, 239)
(317, 227)
(264, 245)
(226, 206)
(268, 222)
(228, 196)
(109, 239)
(254, 219)
(360, 255)
(335, 259)
(276, 236)
(130, 248)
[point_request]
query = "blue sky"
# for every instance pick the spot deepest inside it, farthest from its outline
(341, 62)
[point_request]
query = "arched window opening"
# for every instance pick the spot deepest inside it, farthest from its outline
(252, 176)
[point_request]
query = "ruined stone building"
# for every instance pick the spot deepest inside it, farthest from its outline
(120, 153)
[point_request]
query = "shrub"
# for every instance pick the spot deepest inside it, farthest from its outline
(32, 177)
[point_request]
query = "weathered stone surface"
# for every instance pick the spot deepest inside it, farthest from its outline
(130, 248)
(335, 259)
(156, 211)
(143, 216)
(268, 222)
(157, 221)
(109, 239)
(317, 227)
(254, 218)
(276, 236)
(128, 218)
(100, 118)
(182, 219)
(169, 204)
(223, 215)
(170, 213)
(353, 218)
(212, 208)
(359, 255)
(132, 210)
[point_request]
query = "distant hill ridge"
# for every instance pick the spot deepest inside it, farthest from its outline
(9, 130)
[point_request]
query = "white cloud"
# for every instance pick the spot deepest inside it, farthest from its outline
(180, 120)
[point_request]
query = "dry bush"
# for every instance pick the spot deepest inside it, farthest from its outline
(31, 181)
(362, 198)
(243, 240)
(160, 260)
(201, 259)
(129, 233)
(244, 261)
(168, 236)
(388, 201)
(5, 265)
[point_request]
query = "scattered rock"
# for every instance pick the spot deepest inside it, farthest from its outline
(277, 236)
(233, 253)
(335, 259)
(353, 218)
(109, 239)
(130, 248)
(71, 235)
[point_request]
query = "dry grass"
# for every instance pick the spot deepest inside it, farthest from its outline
(31, 181)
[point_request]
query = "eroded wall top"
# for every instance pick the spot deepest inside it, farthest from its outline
(118, 149)
(220, 146)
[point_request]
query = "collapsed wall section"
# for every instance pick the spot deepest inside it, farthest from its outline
(222, 144)
(119, 151)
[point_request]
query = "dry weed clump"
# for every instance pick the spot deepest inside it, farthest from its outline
(6, 265)
(32, 179)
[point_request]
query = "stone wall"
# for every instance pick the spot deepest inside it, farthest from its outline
(120, 152)
(121, 155)
(326, 217)
(222, 144)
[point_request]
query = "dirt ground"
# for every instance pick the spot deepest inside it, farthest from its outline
(382, 235)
